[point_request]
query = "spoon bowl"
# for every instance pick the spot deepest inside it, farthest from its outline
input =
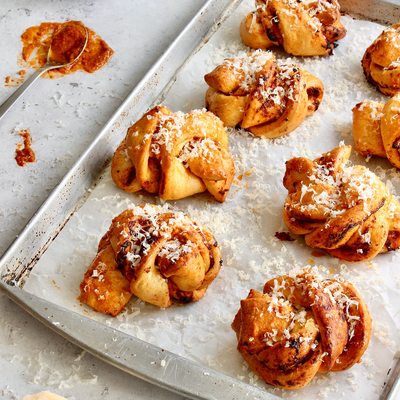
(66, 47)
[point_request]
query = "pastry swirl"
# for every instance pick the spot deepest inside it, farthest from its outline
(175, 155)
(381, 61)
(300, 325)
(268, 99)
(376, 129)
(346, 211)
(303, 28)
(154, 254)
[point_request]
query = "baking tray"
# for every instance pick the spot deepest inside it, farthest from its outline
(76, 187)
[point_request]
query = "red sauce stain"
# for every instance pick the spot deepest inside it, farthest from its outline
(240, 177)
(24, 153)
(317, 254)
(284, 236)
(36, 42)
(238, 181)
(14, 80)
(54, 283)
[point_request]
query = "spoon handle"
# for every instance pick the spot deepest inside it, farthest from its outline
(20, 91)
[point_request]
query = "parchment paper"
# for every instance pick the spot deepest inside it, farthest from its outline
(245, 227)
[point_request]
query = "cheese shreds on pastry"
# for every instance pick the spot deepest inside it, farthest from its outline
(262, 96)
(303, 28)
(376, 129)
(381, 61)
(154, 254)
(175, 155)
(300, 325)
(345, 210)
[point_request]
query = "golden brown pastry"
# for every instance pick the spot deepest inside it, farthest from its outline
(381, 61)
(175, 155)
(345, 210)
(154, 254)
(43, 396)
(302, 325)
(376, 129)
(268, 99)
(303, 28)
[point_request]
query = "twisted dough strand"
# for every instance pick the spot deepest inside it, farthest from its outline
(302, 28)
(346, 211)
(302, 325)
(154, 254)
(376, 129)
(381, 61)
(255, 92)
(175, 155)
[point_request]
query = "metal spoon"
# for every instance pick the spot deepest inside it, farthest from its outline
(50, 64)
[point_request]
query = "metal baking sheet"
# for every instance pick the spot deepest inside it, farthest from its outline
(72, 193)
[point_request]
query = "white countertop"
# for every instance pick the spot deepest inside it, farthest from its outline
(63, 116)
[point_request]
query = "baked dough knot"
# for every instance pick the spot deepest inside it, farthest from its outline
(345, 210)
(154, 254)
(376, 129)
(303, 28)
(175, 155)
(268, 99)
(300, 325)
(381, 61)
